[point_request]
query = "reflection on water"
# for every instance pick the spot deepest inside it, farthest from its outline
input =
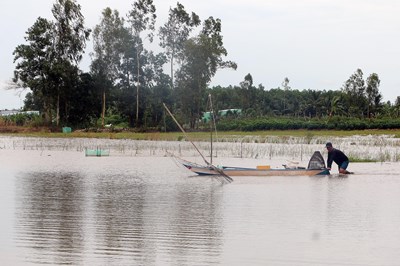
(50, 215)
(64, 208)
(115, 219)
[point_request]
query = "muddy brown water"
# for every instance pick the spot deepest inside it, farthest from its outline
(60, 207)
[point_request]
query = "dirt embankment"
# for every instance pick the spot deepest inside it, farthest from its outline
(19, 129)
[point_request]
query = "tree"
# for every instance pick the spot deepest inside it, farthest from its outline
(34, 67)
(69, 44)
(245, 86)
(32, 103)
(175, 33)
(84, 99)
(247, 82)
(108, 39)
(336, 106)
(374, 97)
(154, 84)
(156, 87)
(211, 40)
(314, 104)
(354, 87)
(203, 55)
(48, 65)
(286, 88)
(142, 18)
(249, 79)
(397, 106)
(159, 91)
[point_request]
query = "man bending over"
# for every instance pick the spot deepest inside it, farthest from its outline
(337, 156)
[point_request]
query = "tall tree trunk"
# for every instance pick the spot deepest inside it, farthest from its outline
(172, 71)
(137, 88)
(103, 109)
(58, 109)
(47, 112)
(66, 113)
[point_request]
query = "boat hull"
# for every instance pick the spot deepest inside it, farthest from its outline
(237, 171)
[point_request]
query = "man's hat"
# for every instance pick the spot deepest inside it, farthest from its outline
(328, 144)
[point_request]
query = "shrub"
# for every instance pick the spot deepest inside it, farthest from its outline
(285, 123)
(20, 119)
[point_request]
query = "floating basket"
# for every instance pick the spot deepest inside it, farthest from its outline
(66, 130)
(97, 152)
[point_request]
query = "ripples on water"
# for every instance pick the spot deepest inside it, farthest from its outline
(119, 219)
(63, 208)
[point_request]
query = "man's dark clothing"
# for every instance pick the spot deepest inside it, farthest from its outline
(336, 156)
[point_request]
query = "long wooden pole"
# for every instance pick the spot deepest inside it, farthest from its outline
(184, 132)
(227, 178)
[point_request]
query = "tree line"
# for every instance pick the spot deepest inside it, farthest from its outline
(358, 98)
(126, 84)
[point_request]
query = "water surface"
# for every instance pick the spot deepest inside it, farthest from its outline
(60, 207)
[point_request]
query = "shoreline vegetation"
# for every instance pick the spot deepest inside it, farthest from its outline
(362, 146)
(46, 132)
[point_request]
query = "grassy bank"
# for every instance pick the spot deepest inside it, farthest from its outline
(359, 145)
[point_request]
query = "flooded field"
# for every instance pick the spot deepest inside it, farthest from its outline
(383, 148)
(138, 207)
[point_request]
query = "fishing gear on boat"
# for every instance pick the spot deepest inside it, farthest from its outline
(221, 173)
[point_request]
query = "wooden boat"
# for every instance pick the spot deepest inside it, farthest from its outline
(315, 167)
(242, 171)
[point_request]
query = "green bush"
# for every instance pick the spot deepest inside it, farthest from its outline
(37, 121)
(285, 123)
(114, 120)
(21, 119)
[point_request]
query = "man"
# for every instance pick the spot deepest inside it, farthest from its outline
(337, 156)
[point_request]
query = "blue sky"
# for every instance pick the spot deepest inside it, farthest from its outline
(317, 44)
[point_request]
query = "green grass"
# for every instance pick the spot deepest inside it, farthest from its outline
(362, 160)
